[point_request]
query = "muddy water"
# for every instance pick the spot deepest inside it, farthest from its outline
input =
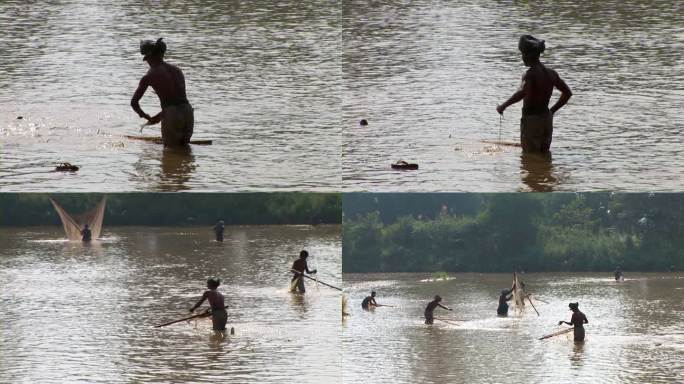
(634, 333)
(86, 313)
(428, 76)
(263, 77)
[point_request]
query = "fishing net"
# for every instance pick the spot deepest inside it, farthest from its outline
(345, 305)
(518, 293)
(73, 224)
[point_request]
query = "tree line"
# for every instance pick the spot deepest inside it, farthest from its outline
(506, 232)
(162, 209)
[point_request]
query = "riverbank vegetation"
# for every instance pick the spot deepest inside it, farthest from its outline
(506, 232)
(160, 209)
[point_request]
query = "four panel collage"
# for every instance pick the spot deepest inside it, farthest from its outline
(341, 191)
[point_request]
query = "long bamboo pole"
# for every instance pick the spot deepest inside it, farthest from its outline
(316, 280)
(564, 331)
(535, 309)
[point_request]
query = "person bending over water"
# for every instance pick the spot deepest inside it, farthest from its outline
(429, 317)
(86, 234)
(219, 316)
(577, 320)
(298, 268)
(369, 302)
(176, 117)
(536, 124)
(505, 296)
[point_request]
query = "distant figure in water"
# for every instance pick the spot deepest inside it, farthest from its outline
(298, 268)
(429, 317)
(369, 302)
(619, 275)
(536, 124)
(86, 234)
(218, 230)
(577, 320)
(167, 80)
(506, 295)
(219, 316)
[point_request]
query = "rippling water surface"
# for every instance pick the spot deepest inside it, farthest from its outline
(634, 333)
(428, 75)
(86, 313)
(263, 77)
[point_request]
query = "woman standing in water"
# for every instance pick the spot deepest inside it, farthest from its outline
(577, 320)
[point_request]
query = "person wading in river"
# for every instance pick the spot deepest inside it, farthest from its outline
(536, 124)
(429, 317)
(86, 234)
(219, 316)
(505, 296)
(218, 230)
(577, 320)
(167, 80)
(369, 302)
(298, 268)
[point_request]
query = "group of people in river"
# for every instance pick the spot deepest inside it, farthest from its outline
(217, 306)
(577, 320)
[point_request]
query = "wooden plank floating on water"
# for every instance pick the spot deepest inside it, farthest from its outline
(564, 331)
(158, 140)
(502, 143)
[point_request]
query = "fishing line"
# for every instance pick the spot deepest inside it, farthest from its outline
(500, 123)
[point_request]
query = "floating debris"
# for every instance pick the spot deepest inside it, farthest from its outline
(66, 167)
(401, 164)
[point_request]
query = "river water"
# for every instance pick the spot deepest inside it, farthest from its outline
(428, 75)
(263, 77)
(74, 313)
(634, 333)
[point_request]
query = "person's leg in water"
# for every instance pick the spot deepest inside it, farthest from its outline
(502, 310)
(219, 318)
(298, 285)
(429, 318)
(177, 125)
(536, 132)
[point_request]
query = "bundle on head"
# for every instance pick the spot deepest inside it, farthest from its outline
(530, 45)
(149, 48)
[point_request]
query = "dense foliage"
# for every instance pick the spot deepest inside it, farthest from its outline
(161, 209)
(505, 232)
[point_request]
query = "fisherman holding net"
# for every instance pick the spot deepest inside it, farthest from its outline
(369, 302)
(167, 80)
(86, 234)
(577, 320)
(298, 268)
(429, 316)
(536, 124)
(219, 316)
(506, 295)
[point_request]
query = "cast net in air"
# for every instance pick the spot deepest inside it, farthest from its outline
(74, 223)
